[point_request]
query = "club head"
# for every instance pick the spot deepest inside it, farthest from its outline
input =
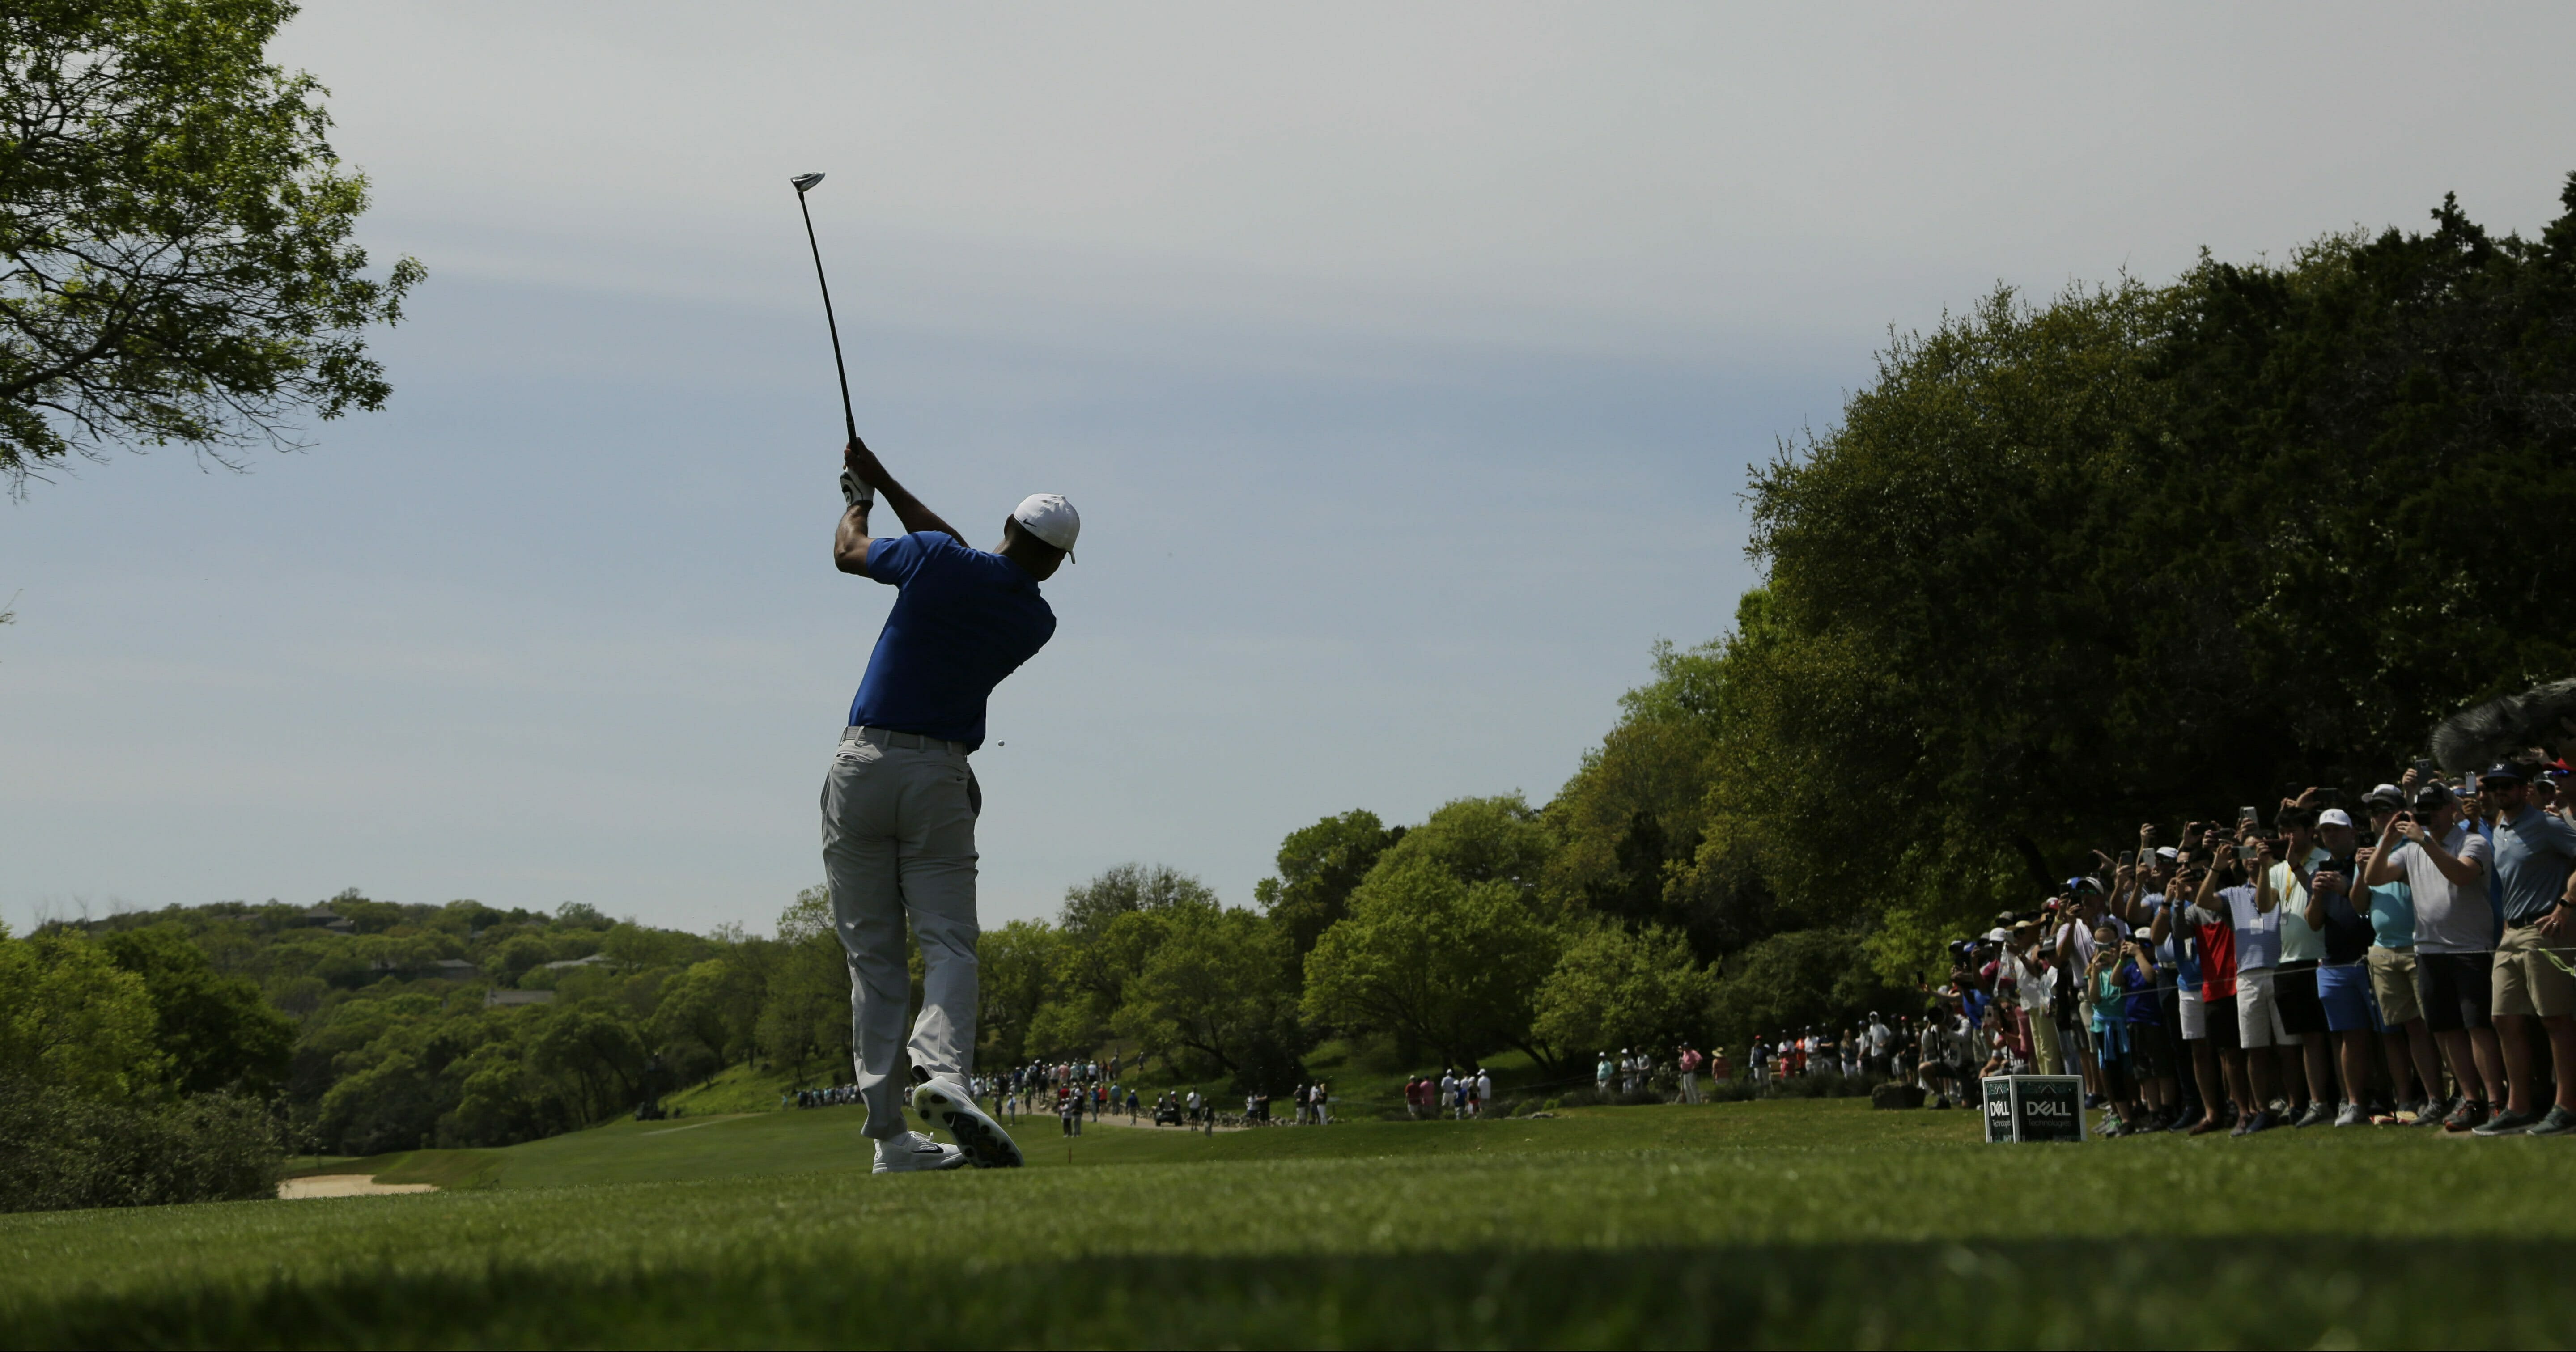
(804, 181)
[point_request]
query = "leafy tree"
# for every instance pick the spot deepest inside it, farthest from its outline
(639, 946)
(597, 1056)
(1441, 962)
(1215, 985)
(216, 1030)
(1803, 979)
(1015, 980)
(1643, 837)
(1617, 987)
(1319, 865)
(1124, 888)
(804, 1021)
(1110, 926)
(178, 235)
(2145, 553)
(692, 1025)
(1479, 840)
(70, 1018)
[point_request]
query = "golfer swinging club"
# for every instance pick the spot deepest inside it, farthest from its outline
(899, 806)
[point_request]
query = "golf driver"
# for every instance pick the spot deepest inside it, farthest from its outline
(858, 494)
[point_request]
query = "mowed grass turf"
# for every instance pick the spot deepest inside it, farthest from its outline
(1740, 1224)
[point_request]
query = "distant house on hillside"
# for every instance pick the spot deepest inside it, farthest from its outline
(323, 917)
(436, 969)
(498, 999)
(594, 960)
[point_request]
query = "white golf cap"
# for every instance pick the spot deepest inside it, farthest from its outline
(1050, 518)
(2334, 816)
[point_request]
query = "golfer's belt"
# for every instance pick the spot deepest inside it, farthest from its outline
(910, 740)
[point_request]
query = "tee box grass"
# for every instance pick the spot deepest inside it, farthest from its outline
(1782, 1222)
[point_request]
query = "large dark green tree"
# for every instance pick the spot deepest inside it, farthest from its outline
(216, 1029)
(1319, 865)
(2147, 553)
(177, 262)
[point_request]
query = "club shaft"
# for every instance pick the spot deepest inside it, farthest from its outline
(849, 421)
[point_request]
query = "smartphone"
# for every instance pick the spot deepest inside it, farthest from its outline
(2244, 854)
(2246, 816)
(2128, 857)
(2423, 769)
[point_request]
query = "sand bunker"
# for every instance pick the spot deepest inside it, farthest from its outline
(344, 1185)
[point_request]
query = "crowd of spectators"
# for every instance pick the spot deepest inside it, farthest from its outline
(1874, 1047)
(2405, 960)
(1453, 1095)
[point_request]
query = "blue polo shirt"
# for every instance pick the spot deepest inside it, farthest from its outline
(962, 620)
(2529, 866)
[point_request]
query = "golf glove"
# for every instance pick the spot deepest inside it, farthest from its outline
(854, 493)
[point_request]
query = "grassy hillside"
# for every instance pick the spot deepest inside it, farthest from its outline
(1738, 1224)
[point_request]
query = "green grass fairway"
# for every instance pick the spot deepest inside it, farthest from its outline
(1805, 1222)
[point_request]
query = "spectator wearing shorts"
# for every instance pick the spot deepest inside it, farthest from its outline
(2104, 988)
(2151, 1057)
(2209, 1025)
(2271, 1054)
(2301, 1012)
(2404, 1038)
(2532, 850)
(2177, 969)
(2343, 978)
(2033, 1022)
(2443, 862)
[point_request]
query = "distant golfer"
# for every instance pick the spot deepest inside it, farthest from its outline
(899, 806)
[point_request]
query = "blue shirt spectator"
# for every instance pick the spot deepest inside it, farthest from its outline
(2530, 862)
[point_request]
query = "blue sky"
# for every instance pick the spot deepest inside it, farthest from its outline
(1405, 366)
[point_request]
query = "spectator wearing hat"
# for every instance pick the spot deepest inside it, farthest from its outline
(2442, 860)
(2295, 999)
(2343, 977)
(2532, 851)
(2404, 1037)
(2174, 961)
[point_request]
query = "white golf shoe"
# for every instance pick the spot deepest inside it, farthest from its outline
(913, 1152)
(949, 1108)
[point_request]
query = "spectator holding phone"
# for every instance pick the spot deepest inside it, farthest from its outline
(2297, 1008)
(2405, 1041)
(2343, 977)
(2443, 862)
(2532, 850)
(2218, 1058)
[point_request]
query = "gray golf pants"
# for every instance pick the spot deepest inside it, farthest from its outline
(899, 843)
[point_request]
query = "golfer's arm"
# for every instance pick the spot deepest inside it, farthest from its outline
(915, 517)
(850, 542)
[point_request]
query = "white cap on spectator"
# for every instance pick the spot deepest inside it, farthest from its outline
(2167, 852)
(2386, 793)
(2334, 816)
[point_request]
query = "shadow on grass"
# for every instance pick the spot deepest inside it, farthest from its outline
(2236, 1291)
